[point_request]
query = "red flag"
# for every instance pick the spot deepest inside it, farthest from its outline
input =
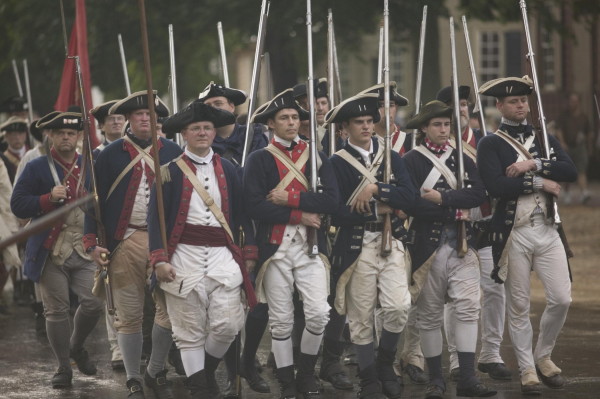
(69, 93)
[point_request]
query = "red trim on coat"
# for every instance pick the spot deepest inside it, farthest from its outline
(89, 240)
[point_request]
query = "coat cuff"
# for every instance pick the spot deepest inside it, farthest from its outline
(384, 192)
(89, 240)
(45, 204)
(295, 216)
(528, 183)
(158, 255)
(293, 199)
(250, 252)
(544, 168)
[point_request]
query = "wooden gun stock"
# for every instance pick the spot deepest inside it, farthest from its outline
(462, 246)
(386, 237)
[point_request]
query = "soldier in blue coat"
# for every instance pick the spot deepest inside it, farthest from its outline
(361, 276)
(276, 191)
(439, 270)
(111, 126)
(124, 176)
(56, 258)
(230, 139)
(523, 234)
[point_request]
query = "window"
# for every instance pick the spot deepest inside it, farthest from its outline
(489, 62)
(548, 72)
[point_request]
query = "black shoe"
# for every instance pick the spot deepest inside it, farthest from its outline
(434, 391)
(62, 378)
(455, 374)
(390, 384)
(478, 390)
(159, 385)
(174, 360)
(370, 387)
(331, 369)
(287, 382)
(135, 389)
(416, 374)
(496, 371)
(337, 377)
(557, 381)
(306, 382)
(253, 378)
(84, 364)
(210, 367)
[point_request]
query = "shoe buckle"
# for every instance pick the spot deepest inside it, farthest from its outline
(161, 381)
(135, 388)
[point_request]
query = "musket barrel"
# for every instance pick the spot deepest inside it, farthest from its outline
(124, 64)
(28, 90)
(174, 101)
(223, 54)
(474, 77)
(420, 71)
(262, 27)
(456, 106)
(380, 58)
(331, 79)
(17, 77)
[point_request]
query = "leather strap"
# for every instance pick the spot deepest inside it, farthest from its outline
(294, 168)
(142, 153)
(368, 174)
(521, 149)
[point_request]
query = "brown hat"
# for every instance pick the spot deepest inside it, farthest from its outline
(433, 109)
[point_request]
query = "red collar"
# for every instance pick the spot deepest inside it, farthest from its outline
(438, 150)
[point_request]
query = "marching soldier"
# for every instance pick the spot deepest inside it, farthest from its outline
(362, 276)
(523, 235)
(56, 258)
(438, 271)
(277, 198)
(15, 135)
(230, 139)
(493, 303)
(202, 269)
(124, 176)
(111, 126)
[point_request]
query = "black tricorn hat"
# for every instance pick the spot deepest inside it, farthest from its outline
(45, 119)
(35, 131)
(362, 104)
(283, 100)
(14, 104)
(14, 124)
(433, 109)
(320, 87)
(445, 95)
(197, 111)
(236, 96)
(400, 100)
(100, 112)
(139, 100)
(62, 120)
(505, 87)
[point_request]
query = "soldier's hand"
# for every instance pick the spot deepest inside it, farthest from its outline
(250, 265)
(465, 214)
(58, 193)
(495, 275)
(383, 208)
(165, 272)
(100, 256)
(551, 187)
(520, 168)
(278, 197)
(311, 220)
(362, 201)
(432, 195)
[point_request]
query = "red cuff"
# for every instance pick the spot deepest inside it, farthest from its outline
(293, 199)
(250, 252)
(46, 204)
(295, 216)
(89, 240)
(158, 255)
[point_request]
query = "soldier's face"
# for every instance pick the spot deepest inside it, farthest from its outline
(199, 137)
(393, 110)
(359, 130)
(437, 130)
(221, 103)
(285, 124)
(513, 108)
(16, 139)
(64, 140)
(321, 108)
(464, 113)
(139, 122)
(112, 126)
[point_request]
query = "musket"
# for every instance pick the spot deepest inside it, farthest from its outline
(173, 81)
(28, 90)
(380, 57)
(386, 235)
(331, 78)
(462, 245)
(539, 122)
(336, 68)
(223, 54)
(45, 222)
(313, 245)
(260, 43)
(17, 77)
(152, 109)
(478, 107)
(124, 64)
(419, 72)
(597, 106)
